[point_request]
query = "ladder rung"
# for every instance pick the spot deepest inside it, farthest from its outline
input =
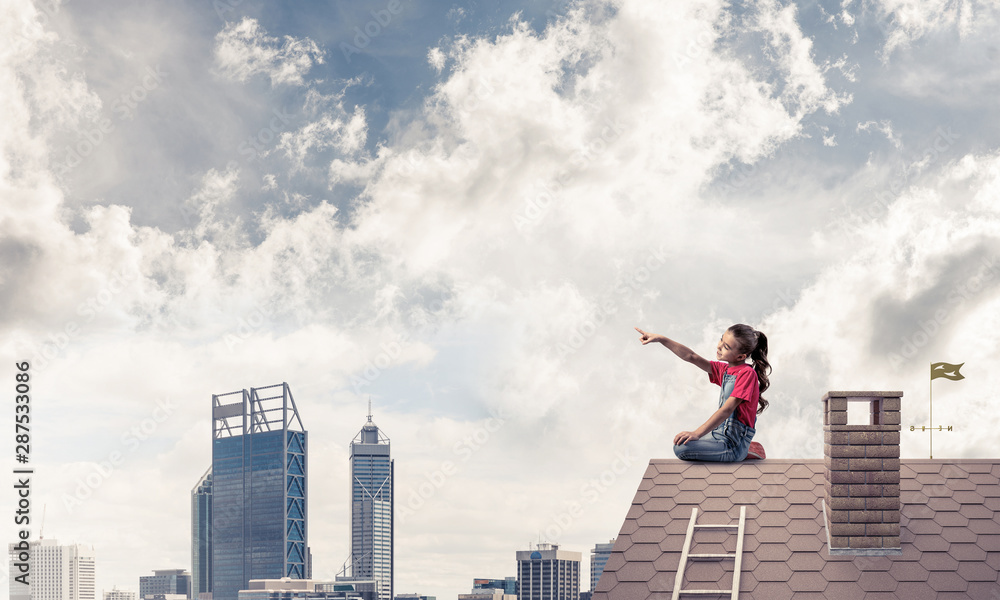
(733, 526)
(711, 556)
(718, 592)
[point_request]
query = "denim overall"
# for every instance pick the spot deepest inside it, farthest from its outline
(729, 442)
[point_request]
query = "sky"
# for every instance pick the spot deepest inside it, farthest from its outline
(460, 211)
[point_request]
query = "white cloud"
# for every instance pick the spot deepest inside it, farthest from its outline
(804, 84)
(269, 182)
(346, 133)
(914, 287)
(580, 113)
(436, 58)
(884, 127)
(906, 21)
(244, 50)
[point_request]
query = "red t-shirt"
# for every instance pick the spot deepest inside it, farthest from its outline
(740, 381)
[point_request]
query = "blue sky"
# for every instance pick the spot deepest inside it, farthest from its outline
(464, 220)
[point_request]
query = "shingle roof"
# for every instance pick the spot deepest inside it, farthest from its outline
(949, 518)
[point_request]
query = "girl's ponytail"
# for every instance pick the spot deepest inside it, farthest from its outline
(754, 343)
(761, 366)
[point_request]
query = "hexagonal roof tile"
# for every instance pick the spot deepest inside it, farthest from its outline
(773, 590)
(843, 590)
(806, 543)
(773, 504)
(916, 590)
(877, 581)
(720, 479)
(773, 552)
(804, 527)
(840, 571)
(984, 526)
(952, 519)
(798, 471)
(701, 484)
(748, 471)
(803, 511)
(976, 571)
(968, 497)
(967, 553)
(908, 571)
(640, 553)
(956, 535)
(806, 561)
(707, 572)
(635, 571)
(947, 581)
(975, 511)
(804, 581)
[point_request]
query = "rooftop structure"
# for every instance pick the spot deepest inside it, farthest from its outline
(948, 525)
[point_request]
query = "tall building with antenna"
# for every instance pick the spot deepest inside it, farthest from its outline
(372, 508)
(259, 483)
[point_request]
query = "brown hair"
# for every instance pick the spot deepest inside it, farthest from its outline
(753, 343)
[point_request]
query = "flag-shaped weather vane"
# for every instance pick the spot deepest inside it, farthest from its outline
(938, 370)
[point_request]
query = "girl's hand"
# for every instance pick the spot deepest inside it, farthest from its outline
(648, 338)
(684, 437)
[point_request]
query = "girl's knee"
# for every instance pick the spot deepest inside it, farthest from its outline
(681, 451)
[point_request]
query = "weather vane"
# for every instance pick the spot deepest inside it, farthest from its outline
(948, 371)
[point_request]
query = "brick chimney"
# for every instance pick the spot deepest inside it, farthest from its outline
(862, 474)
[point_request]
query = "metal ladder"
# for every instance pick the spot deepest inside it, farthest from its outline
(686, 554)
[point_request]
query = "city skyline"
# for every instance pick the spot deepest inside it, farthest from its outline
(462, 211)
(371, 498)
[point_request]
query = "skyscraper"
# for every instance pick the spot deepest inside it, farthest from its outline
(201, 536)
(548, 573)
(56, 572)
(372, 508)
(599, 556)
(259, 483)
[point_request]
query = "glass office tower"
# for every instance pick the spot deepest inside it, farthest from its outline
(201, 536)
(372, 508)
(259, 483)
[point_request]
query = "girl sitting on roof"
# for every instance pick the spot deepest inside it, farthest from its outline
(732, 425)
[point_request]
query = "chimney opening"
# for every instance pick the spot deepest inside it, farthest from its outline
(863, 411)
